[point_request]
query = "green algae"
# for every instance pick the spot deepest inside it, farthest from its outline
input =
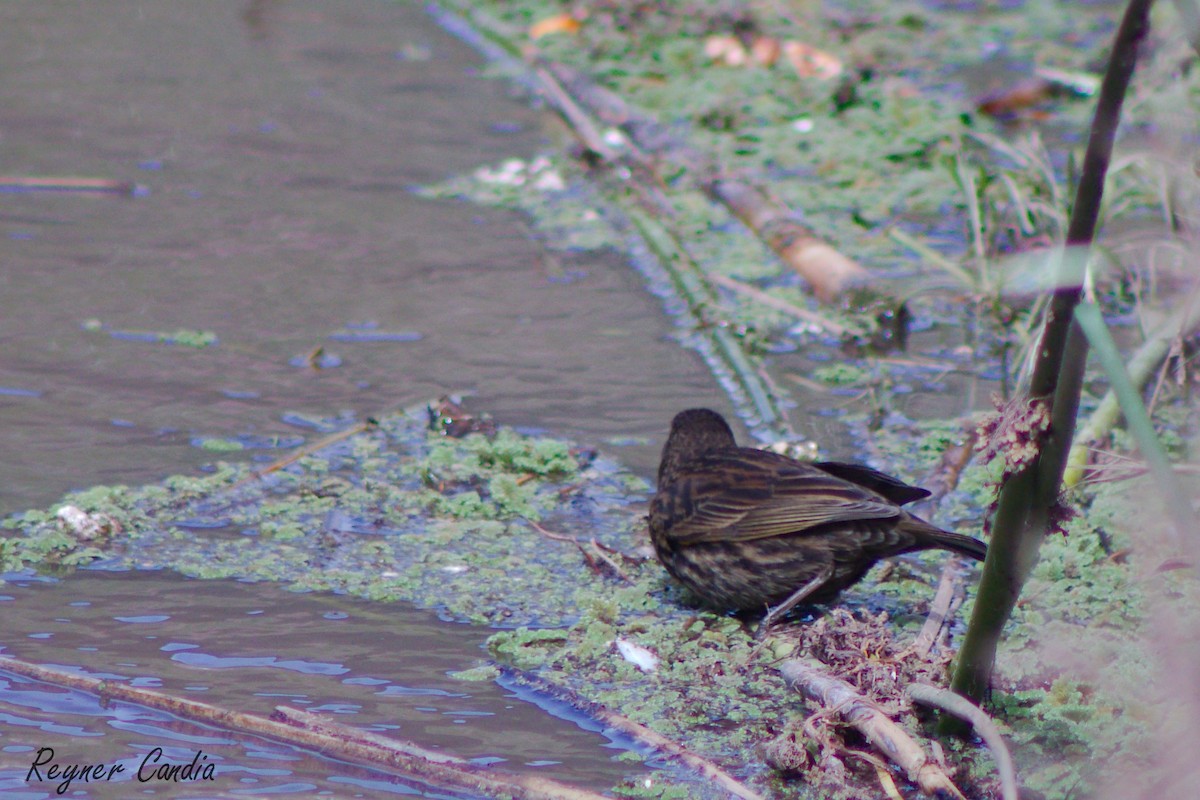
(888, 145)
(51, 551)
(843, 374)
(190, 338)
(395, 513)
(484, 673)
(382, 515)
(440, 522)
(399, 513)
(216, 445)
(654, 790)
(183, 337)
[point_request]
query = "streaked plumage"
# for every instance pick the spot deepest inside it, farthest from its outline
(746, 529)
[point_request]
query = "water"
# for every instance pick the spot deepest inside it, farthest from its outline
(275, 144)
(249, 647)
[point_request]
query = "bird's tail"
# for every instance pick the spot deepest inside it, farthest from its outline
(929, 536)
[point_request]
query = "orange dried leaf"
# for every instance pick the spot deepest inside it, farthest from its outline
(559, 23)
(1010, 99)
(809, 62)
(765, 51)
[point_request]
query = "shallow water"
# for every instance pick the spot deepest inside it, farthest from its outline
(275, 144)
(250, 647)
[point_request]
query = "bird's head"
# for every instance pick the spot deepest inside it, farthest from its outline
(693, 432)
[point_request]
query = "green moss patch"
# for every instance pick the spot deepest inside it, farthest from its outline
(395, 513)
(498, 529)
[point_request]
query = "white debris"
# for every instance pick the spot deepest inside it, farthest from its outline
(641, 657)
(85, 526)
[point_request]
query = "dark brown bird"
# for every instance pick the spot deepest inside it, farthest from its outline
(746, 529)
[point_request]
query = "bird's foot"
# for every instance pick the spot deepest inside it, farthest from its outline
(796, 598)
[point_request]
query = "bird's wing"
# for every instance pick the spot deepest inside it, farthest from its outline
(893, 489)
(734, 498)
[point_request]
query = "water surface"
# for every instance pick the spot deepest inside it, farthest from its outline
(275, 144)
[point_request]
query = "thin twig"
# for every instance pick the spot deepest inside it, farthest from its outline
(66, 184)
(886, 782)
(575, 116)
(597, 552)
(611, 564)
(641, 733)
(780, 305)
(965, 710)
(307, 449)
(954, 460)
(549, 534)
(940, 611)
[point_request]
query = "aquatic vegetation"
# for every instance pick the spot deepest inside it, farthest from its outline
(387, 514)
(398, 512)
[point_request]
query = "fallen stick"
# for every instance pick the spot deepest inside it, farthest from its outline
(828, 271)
(308, 449)
(941, 610)
(964, 709)
(301, 729)
(693, 760)
(692, 284)
(840, 698)
(781, 305)
(954, 460)
(580, 122)
(66, 184)
(646, 736)
(597, 551)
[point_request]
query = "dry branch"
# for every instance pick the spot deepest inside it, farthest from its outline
(942, 609)
(827, 271)
(784, 306)
(308, 731)
(955, 459)
(66, 184)
(840, 698)
(694, 761)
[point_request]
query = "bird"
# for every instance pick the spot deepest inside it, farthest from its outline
(748, 529)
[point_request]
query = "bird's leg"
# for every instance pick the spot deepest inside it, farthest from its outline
(796, 598)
